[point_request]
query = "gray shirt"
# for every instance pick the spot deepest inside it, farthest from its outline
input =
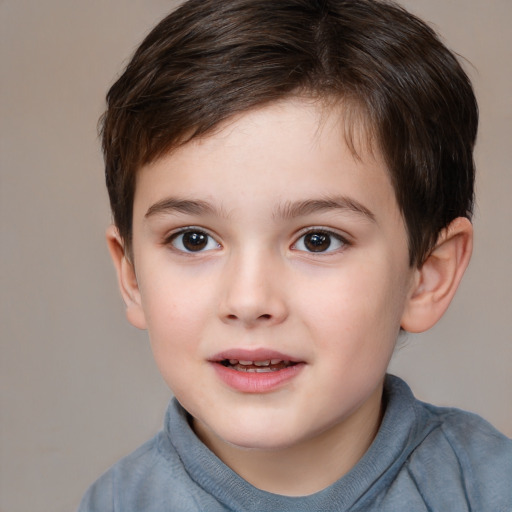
(424, 458)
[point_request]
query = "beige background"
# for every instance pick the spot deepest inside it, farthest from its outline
(78, 385)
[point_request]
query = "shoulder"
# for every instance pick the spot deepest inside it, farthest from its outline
(151, 478)
(464, 453)
(101, 495)
(154, 476)
(469, 436)
(444, 458)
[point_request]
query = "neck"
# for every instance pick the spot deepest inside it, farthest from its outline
(310, 466)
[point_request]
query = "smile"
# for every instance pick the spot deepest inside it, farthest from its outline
(256, 371)
(266, 366)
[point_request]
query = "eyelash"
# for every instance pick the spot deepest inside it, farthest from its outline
(205, 237)
(171, 239)
(331, 235)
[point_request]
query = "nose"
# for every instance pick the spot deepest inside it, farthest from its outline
(252, 291)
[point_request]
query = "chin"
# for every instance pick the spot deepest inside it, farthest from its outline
(255, 436)
(262, 443)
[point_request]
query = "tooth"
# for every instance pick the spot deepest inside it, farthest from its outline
(233, 361)
(262, 363)
(246, 363)
(262, 370)
(275, 361)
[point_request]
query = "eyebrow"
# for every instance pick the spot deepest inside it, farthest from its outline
(288, 210)
(292, 210)
(186, 206)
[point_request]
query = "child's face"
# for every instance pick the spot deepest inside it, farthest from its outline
(268, 241)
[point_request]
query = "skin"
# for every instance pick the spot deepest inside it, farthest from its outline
(255, 189)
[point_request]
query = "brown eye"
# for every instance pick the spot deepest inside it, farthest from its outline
(319, 242)
(193, 241)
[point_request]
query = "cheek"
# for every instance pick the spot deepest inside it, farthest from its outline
(175, 331)
(176, 316)
(356, 308)
(172, 297)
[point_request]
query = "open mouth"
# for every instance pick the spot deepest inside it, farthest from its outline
(256, 371)
(266, 366)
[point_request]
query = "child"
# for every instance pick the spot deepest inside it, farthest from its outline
(292, 184)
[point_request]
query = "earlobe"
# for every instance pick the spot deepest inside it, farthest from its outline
(436, 282)
(126, 278)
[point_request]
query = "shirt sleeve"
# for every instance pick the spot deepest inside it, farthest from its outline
(100, 496)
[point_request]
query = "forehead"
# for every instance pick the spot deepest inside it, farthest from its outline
(288, 150)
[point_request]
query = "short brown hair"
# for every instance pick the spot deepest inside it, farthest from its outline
(211, 59)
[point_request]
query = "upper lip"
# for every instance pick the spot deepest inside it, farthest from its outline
(261, 354)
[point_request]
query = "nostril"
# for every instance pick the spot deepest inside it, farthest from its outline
(265, 316)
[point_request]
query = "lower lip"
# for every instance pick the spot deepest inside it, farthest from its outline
(256, 382)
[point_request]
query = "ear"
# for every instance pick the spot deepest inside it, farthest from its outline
(436, 282)
(126, 278)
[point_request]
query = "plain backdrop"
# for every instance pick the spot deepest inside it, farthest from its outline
(78, 385)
